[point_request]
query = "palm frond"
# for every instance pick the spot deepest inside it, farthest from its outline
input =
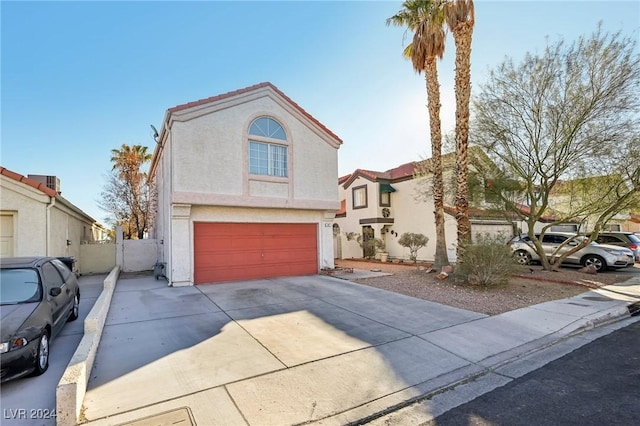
(459, 11)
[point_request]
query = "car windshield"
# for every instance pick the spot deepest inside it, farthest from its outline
(634, 239)
(19, 286)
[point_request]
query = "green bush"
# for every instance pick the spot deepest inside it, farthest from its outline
(486, 262)
(372, 246)
(413, 242)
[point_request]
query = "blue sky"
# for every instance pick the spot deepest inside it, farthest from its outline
(82, 78)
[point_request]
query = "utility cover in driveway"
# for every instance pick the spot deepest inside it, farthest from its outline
(247, 251)
(180, 417)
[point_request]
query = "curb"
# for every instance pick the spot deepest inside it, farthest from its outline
(557, 281)
(500, 361)
(384, 416)
(73, 384)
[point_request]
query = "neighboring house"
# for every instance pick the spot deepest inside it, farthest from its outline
(245, 188)
(575, 197)
(37, 221)
(385, 205)
(632, 224)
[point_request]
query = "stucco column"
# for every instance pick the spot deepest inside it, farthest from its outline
(181, 245)
(326, 240)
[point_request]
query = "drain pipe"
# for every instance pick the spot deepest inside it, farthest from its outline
(48, 224)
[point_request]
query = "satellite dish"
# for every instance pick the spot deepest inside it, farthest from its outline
(155, 132)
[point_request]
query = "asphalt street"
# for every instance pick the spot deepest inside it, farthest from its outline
(597, 384)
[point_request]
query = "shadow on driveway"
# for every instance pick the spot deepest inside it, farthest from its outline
(285, 350)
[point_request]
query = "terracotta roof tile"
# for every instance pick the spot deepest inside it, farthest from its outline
(32, 183)
(343, 179)
(250, 89)
(402, 171)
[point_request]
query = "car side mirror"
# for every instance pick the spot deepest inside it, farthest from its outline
(55, 291)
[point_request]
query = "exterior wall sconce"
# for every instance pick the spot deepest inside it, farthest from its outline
(68, 242)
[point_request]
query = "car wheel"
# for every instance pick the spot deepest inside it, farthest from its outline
(42, 356)
(75, 309)
(595, 261)
(522, 257)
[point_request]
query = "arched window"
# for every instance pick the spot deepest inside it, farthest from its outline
(265, 157)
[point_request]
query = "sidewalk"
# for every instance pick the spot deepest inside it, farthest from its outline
(311, 350)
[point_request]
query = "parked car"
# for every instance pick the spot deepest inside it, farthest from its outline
(38, 295)
(601, 256)
(623, 239)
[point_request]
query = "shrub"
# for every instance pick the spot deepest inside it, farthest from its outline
(486, 262)
(413, 242)
(372, 246)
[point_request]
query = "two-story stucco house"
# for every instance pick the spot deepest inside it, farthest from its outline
(245, 188)
(384, 205)
(35, 220)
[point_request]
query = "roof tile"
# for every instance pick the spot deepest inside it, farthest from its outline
(32, 183)
(250, 89)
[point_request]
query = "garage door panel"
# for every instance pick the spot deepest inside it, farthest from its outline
(297, 256)
(230, 258)
(244, 251)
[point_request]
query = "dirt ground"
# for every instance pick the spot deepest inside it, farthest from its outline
(532, 286)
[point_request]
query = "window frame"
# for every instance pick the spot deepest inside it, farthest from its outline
(279, 139)
(353, 197)
(383, 204)
(271, 164)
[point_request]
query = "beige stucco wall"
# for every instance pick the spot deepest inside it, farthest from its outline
(210, 155)
(202, 175)
(97, 258)
(43, 226)
(409, 213)
(412, 215)
(29, 208)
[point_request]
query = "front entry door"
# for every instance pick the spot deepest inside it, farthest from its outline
(367, 235)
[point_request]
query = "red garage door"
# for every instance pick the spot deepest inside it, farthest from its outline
(246, 251)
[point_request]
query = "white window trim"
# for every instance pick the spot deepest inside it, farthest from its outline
(270, 165)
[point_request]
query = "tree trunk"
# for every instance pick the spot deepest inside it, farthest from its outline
(462, 37)
(433, 102)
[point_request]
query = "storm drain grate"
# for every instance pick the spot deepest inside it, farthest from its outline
(179, 417)
(634, 309)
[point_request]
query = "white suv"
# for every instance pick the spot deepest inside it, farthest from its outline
(601, 256)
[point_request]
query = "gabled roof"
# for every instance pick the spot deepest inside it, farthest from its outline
(401, 172)
(44, 189)
(32, 183)
(549, 215)
(251, 89)
(228, 95)
(408, 170)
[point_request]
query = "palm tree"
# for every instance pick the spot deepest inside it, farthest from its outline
(426, 19)
(460, 20)
(128, 161)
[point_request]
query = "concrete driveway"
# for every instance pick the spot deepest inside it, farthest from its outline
(284, 350)
(312, 349)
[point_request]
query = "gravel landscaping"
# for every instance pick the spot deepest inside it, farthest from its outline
(532, 286)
